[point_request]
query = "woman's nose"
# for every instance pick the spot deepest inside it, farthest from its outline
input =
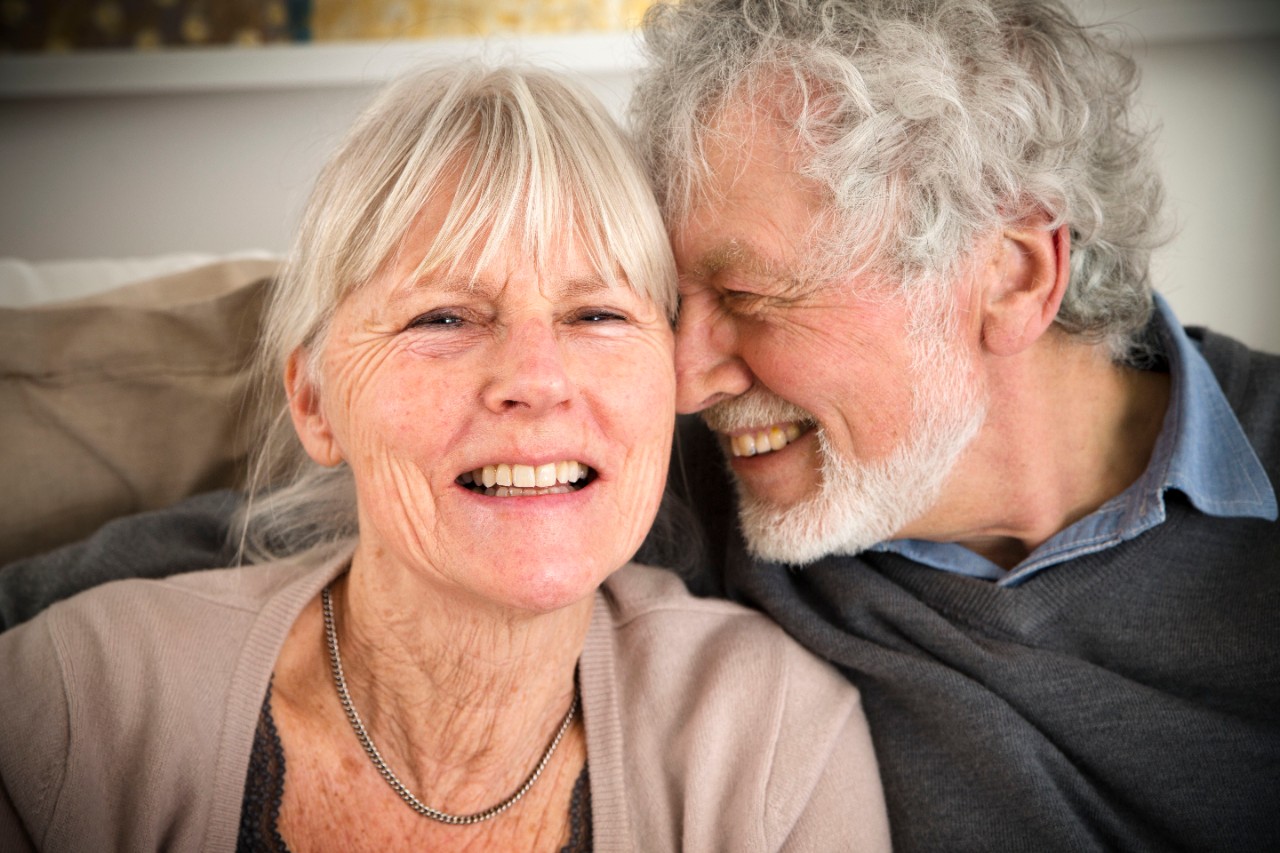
(529, 371)
(709, 367)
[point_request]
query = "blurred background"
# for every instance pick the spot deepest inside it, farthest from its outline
(144, 128)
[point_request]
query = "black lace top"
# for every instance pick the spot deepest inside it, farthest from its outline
(264, 791)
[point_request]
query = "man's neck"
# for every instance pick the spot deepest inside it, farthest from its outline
(1066, 431)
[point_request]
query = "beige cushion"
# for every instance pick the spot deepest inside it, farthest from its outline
(125, 401)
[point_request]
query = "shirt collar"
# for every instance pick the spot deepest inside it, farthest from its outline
(1202, 452)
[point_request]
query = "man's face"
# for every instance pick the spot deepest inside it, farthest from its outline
(842, 406)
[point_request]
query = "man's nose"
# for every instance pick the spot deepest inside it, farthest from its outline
(528, 372)
(709, 367)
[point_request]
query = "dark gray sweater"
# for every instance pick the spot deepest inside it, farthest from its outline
(1128, 700)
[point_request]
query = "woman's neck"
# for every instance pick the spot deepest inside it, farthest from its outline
(461, 697)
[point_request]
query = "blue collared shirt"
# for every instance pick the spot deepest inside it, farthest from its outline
(1201, 451)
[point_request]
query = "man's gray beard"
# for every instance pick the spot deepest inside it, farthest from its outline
(860, 504)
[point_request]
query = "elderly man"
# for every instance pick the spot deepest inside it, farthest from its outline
(978, 464)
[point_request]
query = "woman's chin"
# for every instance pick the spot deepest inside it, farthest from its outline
(545, 588)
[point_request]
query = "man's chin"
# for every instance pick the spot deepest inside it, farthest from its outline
(804, 533)
(854, 505)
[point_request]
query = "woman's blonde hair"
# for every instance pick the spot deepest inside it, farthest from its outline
(523, 158)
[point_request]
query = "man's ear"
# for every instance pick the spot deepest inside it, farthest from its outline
(1028, 278)
(308, 416)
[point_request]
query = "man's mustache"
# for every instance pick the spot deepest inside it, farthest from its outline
(756, 407)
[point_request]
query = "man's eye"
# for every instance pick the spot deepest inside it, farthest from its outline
(743, 301)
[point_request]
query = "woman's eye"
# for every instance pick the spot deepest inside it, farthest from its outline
(436, 319)
(598, 315)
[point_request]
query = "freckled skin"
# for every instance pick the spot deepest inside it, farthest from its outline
(423, 382)
(463, 616)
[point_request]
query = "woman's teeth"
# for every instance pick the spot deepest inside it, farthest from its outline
(764, 440)
(507, 480)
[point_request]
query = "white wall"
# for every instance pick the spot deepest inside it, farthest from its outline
(206, 150)
(133, 176)
(214, 151)
(1220, 150)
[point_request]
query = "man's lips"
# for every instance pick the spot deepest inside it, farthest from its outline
(514, 479)
(756, 441)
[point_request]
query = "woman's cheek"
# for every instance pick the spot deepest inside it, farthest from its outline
(649, 424)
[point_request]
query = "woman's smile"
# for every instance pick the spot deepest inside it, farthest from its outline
(505, 479)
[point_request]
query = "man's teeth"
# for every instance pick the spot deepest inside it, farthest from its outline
(764, 440)
(513, 480)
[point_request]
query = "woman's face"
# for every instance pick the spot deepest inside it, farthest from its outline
(428, 384)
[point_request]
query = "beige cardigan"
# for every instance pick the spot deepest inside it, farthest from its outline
(127, 716)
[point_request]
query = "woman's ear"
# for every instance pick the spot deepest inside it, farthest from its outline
(308, 416)
(1027, 280)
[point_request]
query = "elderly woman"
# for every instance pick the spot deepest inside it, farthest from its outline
(442, 646)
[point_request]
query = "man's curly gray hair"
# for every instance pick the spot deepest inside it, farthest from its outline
(927, 123)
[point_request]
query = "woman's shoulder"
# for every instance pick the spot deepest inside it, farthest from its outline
(129, 634)
(113, 645)
(152, 680)
(638, 590)
(729, 721)
(644, 599)
(159, 610)
(666, 631)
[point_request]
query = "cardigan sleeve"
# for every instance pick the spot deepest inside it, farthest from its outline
(733, 736)
(845, 800)
(13, 835)
(34, 734)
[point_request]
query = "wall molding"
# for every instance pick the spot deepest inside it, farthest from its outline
(230, 69)
(290, 66)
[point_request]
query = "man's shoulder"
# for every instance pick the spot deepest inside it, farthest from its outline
(1241, 370)
(1250, 381)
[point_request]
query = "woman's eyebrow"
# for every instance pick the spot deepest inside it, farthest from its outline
(580, 286)
(570, 287)
(450, 285)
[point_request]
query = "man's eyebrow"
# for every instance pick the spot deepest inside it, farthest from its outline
(734, 254)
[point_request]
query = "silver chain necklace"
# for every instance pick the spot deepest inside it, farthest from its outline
(335, 664)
